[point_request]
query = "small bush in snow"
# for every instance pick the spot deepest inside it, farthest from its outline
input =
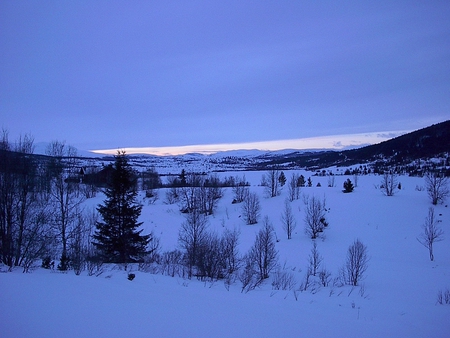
(283, 280)
(325, 277)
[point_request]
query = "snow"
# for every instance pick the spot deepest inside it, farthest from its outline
(396, 299)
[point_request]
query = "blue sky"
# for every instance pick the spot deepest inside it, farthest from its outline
(119, 74)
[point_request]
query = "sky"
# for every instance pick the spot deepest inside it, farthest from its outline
(174, 75)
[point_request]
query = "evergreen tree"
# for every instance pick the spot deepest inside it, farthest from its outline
(301, 181)
(183, 181)
(117, 237)
(282, 179)
(348, 186)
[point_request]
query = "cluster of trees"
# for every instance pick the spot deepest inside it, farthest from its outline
(41, 213)
(43, 218)
(352, 272)
(197, 193)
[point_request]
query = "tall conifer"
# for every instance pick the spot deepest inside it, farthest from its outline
(116, 236)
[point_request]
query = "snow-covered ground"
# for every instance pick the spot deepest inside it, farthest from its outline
(398, 297)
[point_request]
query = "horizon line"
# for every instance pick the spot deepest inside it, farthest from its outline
(331, 142)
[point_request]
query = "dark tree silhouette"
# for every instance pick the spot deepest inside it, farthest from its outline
(117, 237)
(348, 186)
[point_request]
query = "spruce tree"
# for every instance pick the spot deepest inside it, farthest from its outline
(117, 237)
(282, 179)
(348, 186)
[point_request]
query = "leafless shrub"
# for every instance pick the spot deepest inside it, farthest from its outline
(288, 220)
(293, 187)
(248, 276)
(230, 252)
(240, 189)
(341, 278)
(357, 262)
(94, 267)
(172, 195)
(191, 236)
(431, 233)
(443, 297)
(389, 184)
(210, 262)
(314, 217)
(325, 277)
(437, 187)
(283, 280)
(251, 208)
(272, 183)
(152, 196)
(172, 263)
(263, 253)
(307, 280)
(151, 262)
(314, 260)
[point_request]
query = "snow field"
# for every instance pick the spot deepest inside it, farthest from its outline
(396, 299)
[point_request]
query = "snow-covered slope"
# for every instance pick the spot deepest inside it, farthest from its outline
(398, 297)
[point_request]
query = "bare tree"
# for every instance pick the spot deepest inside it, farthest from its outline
(209, 260)
(331, 181)
(191, 236)
(201, 194)
(22, 230)
(210, 194)
(356, 263)
(272, 182)
(79, 244)
(293, 187)
(37, 241)
(251, 208)
(263, 253)
(240, 189)
(288, 219)
(314, 259)
(172, 193)
(229, 251)
(65, 193)
(189, 197)
(248, 276)
(315, 217)
(431, 233)
(389, 184)
(437, 187)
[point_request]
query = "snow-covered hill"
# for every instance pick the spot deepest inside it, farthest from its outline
(397, 298)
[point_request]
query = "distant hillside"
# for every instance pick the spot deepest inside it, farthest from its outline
(424, 143)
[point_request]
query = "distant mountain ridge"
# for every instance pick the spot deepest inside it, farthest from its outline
(428, 142)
